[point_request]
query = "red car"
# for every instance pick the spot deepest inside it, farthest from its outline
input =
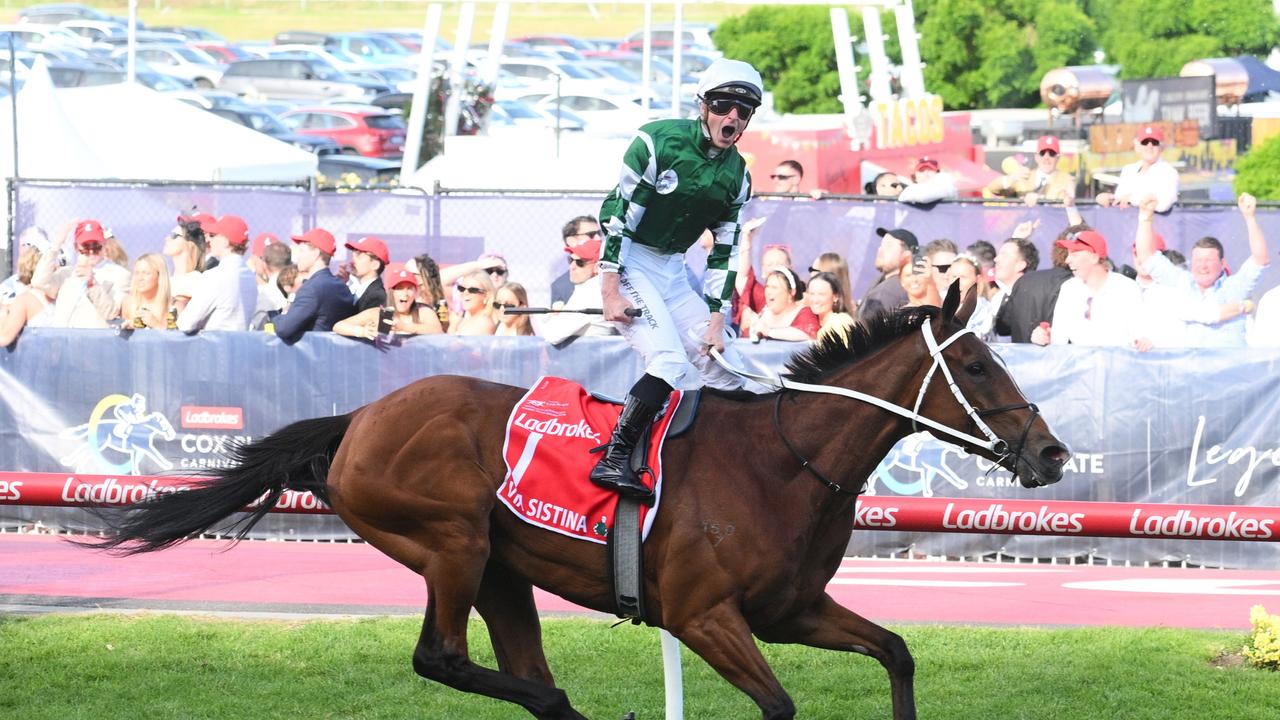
(369, 131)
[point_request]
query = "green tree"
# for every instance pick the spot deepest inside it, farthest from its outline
(1258, 172)
(992, 53)
(1155, 38)
(793, 50)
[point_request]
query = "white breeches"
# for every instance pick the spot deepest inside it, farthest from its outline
(670, 333)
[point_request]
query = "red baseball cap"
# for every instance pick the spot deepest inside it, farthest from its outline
(319, 238)
(1151, 132)
(1048, 142)
(204, 219)
(261, 242)
(372, 245)
(927, 163)
(1090, 240)
(396, 274)
(589, 250)
(89, 231)
(231, 227)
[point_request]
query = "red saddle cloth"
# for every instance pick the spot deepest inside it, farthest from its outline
(547, 449)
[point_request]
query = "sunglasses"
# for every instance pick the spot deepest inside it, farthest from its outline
(722, 106)
(1151, 141)
(592, 234)
(782, 177)
(1048, 153)
(91, 248)
(580, 262)
(942, 268)
(504, 306)
(897, 185)
(472, 290)
(498, 271)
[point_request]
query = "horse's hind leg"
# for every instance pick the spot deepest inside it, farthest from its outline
(453, 583)
(723, 639)
(506, 604)
(832, 626)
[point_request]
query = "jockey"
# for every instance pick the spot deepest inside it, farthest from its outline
(679, 178)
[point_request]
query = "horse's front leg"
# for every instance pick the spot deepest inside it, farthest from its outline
(831, 626)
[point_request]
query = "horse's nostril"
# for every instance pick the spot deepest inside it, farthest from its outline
(1055, 454)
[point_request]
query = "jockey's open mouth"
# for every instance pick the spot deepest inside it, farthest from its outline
(730, 129)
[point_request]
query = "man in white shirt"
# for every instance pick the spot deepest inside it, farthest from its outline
(89, 293)
(1151, 175)
(931, 184)
(226, 295)
(584, 273)
(1095, 307)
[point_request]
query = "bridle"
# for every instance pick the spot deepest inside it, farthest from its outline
(992, 443)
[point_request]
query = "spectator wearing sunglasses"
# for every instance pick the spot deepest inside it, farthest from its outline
(787, 177)
(90, 292)
(1150, 176)
(578, 230)
(679, 178)
(886, 184)
(323, 299)
(584, 271)
(1096, 307)
(938, 256)
(185, 247)
(1046, 182)
(476, 315)
(512, 295)
(929, 184)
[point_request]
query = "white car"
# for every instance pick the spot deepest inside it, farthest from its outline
(607, 114)
(95, 30)
(194, 66)
(334, 57)
(512, 117)
(49, 36)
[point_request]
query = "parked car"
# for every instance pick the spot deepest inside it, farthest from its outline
(223, 52)
(369, 131)
(66, 75)
(694, 35)
(605, 114)
(179, 61)
(161, 82)
(46, 36)
(342, 169)
(368, 48)
(95, 31)
(512, 117)
(335, 58)
(191, 33)
(268, 124)
(209, 99)
(411, 40)
(55, 13)
(582, 46)
(146, 37)
(295, 78)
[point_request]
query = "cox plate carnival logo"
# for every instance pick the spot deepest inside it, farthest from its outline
(124, 436)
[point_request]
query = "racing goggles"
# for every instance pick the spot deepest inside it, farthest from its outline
(722, 106)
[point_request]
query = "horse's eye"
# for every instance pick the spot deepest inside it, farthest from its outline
(976, 369)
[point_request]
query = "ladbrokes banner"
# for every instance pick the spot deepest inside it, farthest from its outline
(1179, 427)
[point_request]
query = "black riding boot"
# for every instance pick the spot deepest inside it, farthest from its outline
(612, 471)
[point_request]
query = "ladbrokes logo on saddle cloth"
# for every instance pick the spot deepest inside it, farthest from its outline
(550, 435)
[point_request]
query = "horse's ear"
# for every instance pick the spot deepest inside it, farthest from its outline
(951, 303)
(968, 305)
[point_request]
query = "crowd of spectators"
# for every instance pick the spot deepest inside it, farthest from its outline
(212, 274)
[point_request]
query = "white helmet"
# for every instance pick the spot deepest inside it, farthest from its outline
(733, 78)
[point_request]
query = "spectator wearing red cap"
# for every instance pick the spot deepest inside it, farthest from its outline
(1096, 307)
(1045, 182)
(1217, 303)
(185, 247)
(930, 184)
(369, 257)
(323, 299)
(276, 256)
(1150, 176)
(90, 292)
(226, 295)
(584, 273)
(410, 318)
(256, 249)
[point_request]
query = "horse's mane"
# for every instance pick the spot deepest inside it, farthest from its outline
(835, 350)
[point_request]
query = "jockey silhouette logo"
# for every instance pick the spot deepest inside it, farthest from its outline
(924, 457)
(119, 435)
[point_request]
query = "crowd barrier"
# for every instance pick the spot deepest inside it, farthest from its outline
(525, 228)
(1171, 428)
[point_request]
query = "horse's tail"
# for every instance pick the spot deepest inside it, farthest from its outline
(295, 457)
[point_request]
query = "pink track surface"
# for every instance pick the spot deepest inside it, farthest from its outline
(44, 571)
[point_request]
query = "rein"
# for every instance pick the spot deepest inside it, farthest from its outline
(992, 443)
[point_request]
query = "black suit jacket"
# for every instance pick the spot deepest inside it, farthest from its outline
(373, 296)
(1030, 303)
(321, 302)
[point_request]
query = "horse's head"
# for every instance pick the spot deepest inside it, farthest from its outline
(968, 388)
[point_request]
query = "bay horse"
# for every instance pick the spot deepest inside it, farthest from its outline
(416, 474)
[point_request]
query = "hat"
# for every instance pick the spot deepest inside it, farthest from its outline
(261, 242)
(733, 78)
(1090, 240)
(89, 231)
(1048, 142)
(589, 250)
(230, 227)
(396, 274)
(319, 238)
(372, 245)
(927, 163)
(1151, 132)
(204, 219)
(906, 237)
